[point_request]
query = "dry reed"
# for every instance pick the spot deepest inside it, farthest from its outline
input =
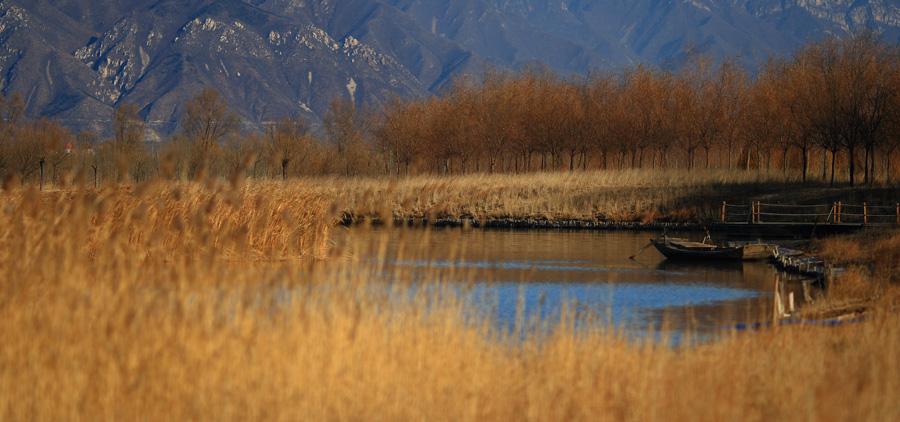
(621, 196)
(94, 327)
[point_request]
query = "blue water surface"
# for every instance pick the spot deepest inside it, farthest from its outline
(517, 278)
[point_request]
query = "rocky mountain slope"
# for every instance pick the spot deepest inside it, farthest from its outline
(76, 60)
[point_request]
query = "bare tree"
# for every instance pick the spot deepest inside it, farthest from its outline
(57, 142)
(26, 150)
(765, 119)
(494, 117)
(207, 120)
(599, 120)
(646, 96)
(12, 110)
(128, 141)
(693, 106)
(85, 156)
(347, 129)
(823, 97)
(452, 132)
(866, 66)
(288, 142)
(401, 133)
(572, 124)
(732, 107)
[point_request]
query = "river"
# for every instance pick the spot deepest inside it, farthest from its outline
(526, 275)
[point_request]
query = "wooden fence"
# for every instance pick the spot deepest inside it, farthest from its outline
(836, 213)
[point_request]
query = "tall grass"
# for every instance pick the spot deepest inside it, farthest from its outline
(875, 250)
(168, 221)
(643, 195)
(871, 259)
(140, 303)
(590, 196)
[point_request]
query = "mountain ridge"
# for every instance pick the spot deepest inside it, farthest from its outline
(76, 62)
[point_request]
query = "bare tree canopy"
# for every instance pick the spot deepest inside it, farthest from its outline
(288, 142)
(128, 141)
(207, 120)
(348, 130)
(128, 128)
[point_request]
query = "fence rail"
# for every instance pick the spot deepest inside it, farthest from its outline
(836, 213)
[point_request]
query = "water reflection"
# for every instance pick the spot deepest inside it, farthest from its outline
(515, 276)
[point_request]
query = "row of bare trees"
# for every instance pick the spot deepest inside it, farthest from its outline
(211, 141)
(838, 99)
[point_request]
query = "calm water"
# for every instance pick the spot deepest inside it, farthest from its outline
(522, 275)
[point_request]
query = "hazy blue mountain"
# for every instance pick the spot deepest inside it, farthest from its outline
(76, 60)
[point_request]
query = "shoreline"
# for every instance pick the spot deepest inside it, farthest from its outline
(523, 224)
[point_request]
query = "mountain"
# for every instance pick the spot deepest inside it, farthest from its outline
(751, 29)
(77, 60)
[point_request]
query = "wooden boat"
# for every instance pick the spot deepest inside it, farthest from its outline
(686, 249)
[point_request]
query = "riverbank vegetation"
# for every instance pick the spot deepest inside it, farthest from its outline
(620, 196)
(828, 112)
(188, 301)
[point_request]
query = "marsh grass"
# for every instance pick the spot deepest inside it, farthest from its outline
(646, 195)
(870, 259)
(110, 309)
(875, 251)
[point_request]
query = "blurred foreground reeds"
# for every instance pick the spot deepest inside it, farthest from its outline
(135, 304)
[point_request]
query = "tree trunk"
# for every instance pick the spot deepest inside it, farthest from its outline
(805, 159)
(872, 168)
(784, 152)
(888, 170)
(866, 167)
(832, 167)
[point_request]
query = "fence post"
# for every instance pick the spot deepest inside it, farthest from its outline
(898, 213)
(838, 215)
(865, 214)
(723, 211)
(758, 219)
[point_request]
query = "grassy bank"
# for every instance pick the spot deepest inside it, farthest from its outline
(646, 195)
(188, 302)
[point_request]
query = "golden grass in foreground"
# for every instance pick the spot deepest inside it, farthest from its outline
(170, 221)
(93, 329)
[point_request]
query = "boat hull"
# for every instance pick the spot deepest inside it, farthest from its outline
(679, 249)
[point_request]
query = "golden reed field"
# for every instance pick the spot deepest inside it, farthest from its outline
(641, 195)
(226, 301)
